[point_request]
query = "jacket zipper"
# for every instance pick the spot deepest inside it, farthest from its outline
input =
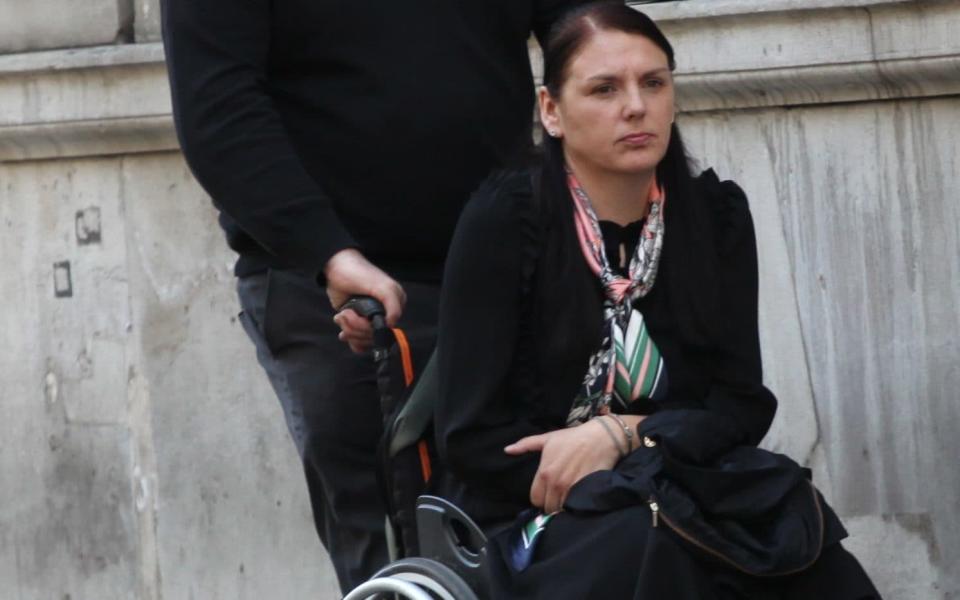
(657, 516)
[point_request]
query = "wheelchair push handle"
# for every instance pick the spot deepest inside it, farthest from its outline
(370, 308)
(373, 310)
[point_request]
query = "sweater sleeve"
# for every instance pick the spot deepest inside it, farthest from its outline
(737, 389)
(232, 136)
(476, 415)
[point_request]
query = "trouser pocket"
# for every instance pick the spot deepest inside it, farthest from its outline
(281, 309)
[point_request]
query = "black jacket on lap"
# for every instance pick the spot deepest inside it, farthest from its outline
(733, 504)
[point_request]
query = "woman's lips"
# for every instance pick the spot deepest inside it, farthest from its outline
(638, 139)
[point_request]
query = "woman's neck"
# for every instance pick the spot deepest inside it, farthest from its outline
(619, 198)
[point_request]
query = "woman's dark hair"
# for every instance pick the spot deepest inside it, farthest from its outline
(687, 241)
(576, 28)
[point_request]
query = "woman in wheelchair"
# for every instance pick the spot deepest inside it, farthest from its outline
(601, 396)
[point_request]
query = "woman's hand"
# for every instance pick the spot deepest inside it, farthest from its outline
(567, 456)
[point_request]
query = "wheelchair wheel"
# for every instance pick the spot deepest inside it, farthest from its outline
(388, 588)
(435, 577)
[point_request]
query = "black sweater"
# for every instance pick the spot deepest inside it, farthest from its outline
(521, 314)
(318, 125)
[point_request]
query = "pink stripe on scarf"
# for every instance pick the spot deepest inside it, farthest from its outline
(622, 369)
(608, 389)
(635, 393)
(588, 253)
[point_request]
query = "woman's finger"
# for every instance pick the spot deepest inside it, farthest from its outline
(552, 500)
(531, 443)
(537, 491)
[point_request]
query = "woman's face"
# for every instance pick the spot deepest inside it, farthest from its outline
(616, 106)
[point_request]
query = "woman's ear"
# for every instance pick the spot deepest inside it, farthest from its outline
(548, 113)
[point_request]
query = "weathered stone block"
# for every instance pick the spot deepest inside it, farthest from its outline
(146, 20)
(43, 24)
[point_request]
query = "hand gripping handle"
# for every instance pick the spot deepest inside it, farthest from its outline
(372, 309)
(369, 308)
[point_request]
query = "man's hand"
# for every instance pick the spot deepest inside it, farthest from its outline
(349, 274)
(567, 456)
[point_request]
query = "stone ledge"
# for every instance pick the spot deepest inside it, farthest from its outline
(736, 54)
(85, 102)
(820, 84)
(733, 54)
(715, 40)
(695, 9)
(98, 137)
(81, 58)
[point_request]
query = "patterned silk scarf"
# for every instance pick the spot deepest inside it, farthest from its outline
(628, 365)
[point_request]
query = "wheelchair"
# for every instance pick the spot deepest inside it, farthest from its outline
(436, 550)
(448, 565)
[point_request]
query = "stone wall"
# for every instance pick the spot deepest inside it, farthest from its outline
(145, 455)
(840, 121)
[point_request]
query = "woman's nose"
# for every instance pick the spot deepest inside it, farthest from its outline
(635, 105)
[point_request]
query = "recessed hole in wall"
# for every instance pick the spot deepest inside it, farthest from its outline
(62, 283)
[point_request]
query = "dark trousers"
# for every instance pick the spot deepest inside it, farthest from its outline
(330, 403)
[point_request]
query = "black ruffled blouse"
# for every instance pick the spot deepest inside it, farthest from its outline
(521, 313)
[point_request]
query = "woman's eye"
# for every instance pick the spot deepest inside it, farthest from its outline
(603, 89)
(654, 83)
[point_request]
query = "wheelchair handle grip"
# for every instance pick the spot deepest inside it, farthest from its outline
(368, 307)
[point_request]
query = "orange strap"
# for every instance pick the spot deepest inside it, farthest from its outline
(405, 355)
(425, 467)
